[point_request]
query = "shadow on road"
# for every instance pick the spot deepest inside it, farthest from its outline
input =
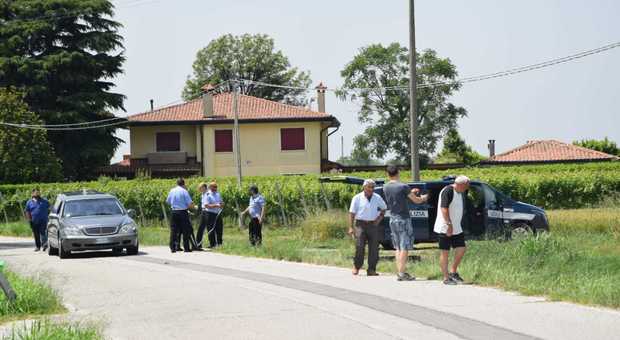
(99, 254)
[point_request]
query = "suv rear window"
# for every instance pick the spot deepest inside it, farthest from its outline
(92, 207)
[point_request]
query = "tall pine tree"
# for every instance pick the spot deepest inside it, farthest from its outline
(64, 54)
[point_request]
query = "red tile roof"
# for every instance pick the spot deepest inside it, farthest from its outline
(549, 151)
(250, 108)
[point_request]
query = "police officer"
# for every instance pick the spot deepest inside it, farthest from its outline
(180, 202)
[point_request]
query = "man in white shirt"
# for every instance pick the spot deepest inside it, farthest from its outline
(448, 226)
(366, 212)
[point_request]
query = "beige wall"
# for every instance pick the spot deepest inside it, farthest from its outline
(142, 139)
(260, 151)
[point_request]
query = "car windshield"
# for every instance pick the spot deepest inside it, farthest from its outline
(92, 207)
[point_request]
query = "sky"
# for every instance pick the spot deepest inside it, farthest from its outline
(566, 102)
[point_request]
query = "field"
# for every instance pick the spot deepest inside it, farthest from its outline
(290, 198)
(577, 261)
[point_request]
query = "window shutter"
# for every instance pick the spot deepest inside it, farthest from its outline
(292, 139)
(168, 141)
(223, 141)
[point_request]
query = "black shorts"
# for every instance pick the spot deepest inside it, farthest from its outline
(454, 241)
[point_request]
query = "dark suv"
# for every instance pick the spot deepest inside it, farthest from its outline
(487, 211)
(90, 220)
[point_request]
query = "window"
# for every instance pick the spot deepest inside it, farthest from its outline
(168, 141)
(223, 141)
(292, 139)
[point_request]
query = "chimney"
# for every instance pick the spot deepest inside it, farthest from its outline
(207, 100)
(491, 147)
(320, 94)
(151, 104)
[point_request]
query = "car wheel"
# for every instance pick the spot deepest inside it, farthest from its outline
(133, 250)
(521, 230)
(62, 253)
(51, 251)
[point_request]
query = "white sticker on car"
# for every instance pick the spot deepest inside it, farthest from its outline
(418, 213)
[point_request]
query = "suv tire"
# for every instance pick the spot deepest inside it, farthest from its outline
(63, 254)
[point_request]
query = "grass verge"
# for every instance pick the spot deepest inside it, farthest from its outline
(49, 330)
(34, 298)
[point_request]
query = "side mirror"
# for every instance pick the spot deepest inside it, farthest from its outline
(131, 213)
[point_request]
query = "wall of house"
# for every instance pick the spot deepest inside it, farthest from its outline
(142, 139)
(261, 153)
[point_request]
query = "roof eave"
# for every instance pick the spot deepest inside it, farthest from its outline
(331, 119)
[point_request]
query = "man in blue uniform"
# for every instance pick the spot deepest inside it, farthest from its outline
(37, 209)
(180, 202)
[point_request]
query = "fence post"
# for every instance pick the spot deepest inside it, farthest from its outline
(6, 286)
(163, 210)
(303, 197)
(281, 202)
(327, 203)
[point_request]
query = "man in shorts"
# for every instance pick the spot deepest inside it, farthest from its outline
(397, 196)
(448, 226)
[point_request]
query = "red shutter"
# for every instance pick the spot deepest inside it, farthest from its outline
(223, 141)
(168, 141)
(292, 139)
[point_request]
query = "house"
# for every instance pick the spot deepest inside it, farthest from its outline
(545, 151)
(197, 138)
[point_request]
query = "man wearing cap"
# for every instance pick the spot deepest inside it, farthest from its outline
(448, 226)
(366, 212)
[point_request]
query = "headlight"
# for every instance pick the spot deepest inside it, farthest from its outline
(129, 228)
(73, 231)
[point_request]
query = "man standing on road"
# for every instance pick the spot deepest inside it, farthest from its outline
(37, 210)
(366, 212)
(180, 202)
(398, 195)
(211, 217)
(448, 226)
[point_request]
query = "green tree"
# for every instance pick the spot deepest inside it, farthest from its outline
(63, 55)
(455, 150)
(359, 156)
(605, 145)
(249, 57)
(386, 112)
(25, 154)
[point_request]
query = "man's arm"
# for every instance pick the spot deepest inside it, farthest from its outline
(262, 213)
(27, 213)
(413, 196)
(351, 222)
(383, 208)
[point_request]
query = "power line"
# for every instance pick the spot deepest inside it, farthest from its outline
(40, 127)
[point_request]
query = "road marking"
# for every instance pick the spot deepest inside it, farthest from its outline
(460, 326)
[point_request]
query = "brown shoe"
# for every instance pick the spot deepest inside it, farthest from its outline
(372, 274)
(355, 271)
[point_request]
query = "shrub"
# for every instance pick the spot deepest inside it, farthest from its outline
(325, 225)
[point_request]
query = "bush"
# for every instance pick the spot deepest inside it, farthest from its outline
(325, 225)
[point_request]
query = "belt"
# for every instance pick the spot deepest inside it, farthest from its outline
(365, 221)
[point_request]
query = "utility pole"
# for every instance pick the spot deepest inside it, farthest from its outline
(413, 116)
(235, 107)
(341, 147)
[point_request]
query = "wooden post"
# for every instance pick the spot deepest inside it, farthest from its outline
(6, 287)
(303, 198)
(328, 204)
(163, 210)
(238, 215)
(281, 202)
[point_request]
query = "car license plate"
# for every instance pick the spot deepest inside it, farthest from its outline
(418, 213)
(102, 240)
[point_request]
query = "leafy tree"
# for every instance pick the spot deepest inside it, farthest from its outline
(386, 112)
(605, 145)
(455, 150)
(25, 154)
(249, 57)
(359, 156)
(63, 55)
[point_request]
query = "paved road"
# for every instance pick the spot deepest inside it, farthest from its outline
(158, 295)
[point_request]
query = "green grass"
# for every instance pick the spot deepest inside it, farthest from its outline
(34, 298)
(49, 330)
(17, 229)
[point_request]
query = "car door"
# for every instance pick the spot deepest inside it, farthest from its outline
(53, 224)
(494, 215)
